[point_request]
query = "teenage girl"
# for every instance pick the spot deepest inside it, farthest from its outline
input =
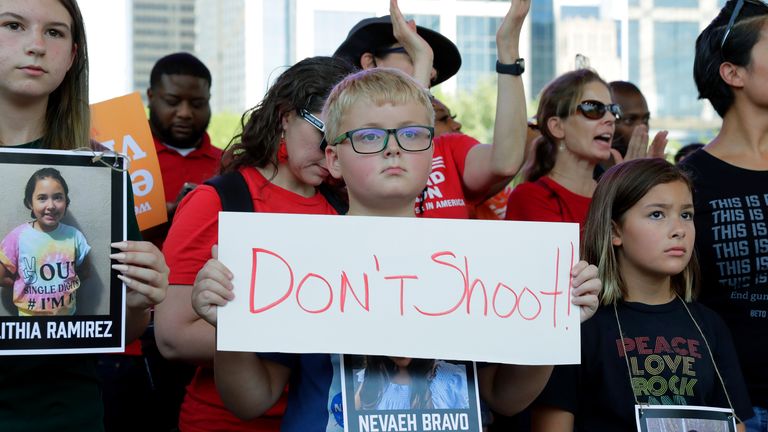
(44, 104)
(46, 241)
(649, 343)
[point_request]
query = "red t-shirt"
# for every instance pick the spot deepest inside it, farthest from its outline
(446, 196)
(196, 167)
(545, 200)
(188, 246)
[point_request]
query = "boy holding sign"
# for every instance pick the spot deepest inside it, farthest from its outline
(381, 124)
(379, 129)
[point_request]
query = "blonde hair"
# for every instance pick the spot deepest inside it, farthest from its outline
(67, 118)
(620, 188)
(378, 86)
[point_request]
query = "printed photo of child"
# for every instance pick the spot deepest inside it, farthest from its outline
(401, 383)
(45, 256)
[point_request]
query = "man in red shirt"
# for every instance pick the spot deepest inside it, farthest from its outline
(179, 113)
(142, 381)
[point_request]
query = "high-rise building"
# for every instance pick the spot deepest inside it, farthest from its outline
(280, 32)
(245, 43)
(588, 28)
(661, 37)
(543, 57)
(650, 43)
(160, 27)
(110, 44)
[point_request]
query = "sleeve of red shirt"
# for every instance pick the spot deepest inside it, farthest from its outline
(459, 145)
(195, 229)
(531, 202)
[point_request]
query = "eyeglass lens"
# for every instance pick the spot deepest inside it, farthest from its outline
(595, 110)
(374, 140)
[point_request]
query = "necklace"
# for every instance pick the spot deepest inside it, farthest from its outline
(704, 338)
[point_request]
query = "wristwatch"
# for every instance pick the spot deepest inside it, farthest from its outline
(517, 68)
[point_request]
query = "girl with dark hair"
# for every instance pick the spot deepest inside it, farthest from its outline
(730, 175)
(280, 158)
(649, 343)
(44, 104)
(401, 383)
(576, 118)
(45, 240)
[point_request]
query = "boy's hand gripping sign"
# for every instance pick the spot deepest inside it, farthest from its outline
(424, 288)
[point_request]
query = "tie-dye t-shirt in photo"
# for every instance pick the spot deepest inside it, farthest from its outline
(46, 263)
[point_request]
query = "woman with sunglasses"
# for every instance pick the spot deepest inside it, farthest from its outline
(730, 179)
(279, 156)
(576, 118)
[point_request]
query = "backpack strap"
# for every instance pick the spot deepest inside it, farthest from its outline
(233, 192)
(235, 196)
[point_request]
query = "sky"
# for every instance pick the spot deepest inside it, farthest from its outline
(109, 47)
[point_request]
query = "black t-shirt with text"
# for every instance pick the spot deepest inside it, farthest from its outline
(731, 205)
(668, 361)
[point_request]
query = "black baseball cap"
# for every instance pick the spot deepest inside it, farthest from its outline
(375, 33)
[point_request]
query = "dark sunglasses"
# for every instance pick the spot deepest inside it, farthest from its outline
(314, 121)
(595, 110)
(735, 14)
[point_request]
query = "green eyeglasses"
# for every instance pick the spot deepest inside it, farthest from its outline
(374, 140)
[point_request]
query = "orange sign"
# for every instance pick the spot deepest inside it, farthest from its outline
(121, 125)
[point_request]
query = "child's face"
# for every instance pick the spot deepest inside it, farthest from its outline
(49, 203)
(386, 182)
(656, 235)
(36, 47)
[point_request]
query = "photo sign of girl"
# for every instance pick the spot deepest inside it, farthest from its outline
(402, 394)
(61, 211)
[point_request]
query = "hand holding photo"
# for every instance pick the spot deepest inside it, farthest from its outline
(58, 293)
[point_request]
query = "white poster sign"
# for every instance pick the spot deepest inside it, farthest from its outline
(494, 291)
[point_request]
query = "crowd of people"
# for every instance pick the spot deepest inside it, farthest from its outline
(674, 266)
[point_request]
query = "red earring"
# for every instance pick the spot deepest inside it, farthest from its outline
(282, 151)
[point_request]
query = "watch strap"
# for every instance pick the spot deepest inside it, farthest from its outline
(517, 68)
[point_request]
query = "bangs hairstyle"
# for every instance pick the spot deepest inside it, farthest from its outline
(620, 188)
(302, 86)
(67, 117)
(737, 50)
(378, 86)
(558, 99)
(43, 174)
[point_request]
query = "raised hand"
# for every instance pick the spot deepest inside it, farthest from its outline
(508, 35)
(417, 48)
(638, 148)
